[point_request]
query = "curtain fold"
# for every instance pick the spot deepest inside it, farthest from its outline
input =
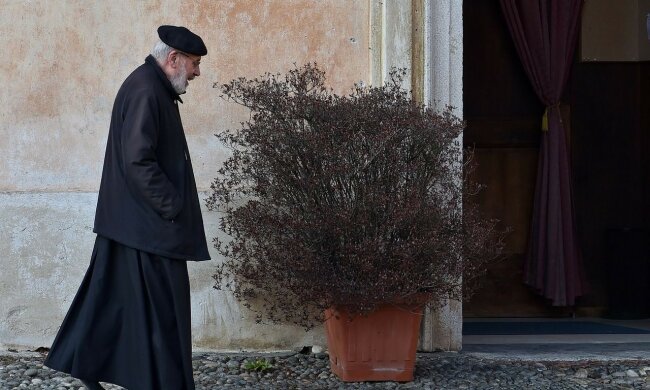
(545, 34)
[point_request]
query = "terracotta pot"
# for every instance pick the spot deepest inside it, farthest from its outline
(378, 347)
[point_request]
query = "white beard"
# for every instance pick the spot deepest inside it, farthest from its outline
(179, 80)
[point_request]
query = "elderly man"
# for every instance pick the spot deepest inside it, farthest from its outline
(129, 323)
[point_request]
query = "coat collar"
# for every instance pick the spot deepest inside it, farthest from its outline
(163, 77)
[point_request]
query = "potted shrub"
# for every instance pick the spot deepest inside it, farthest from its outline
(339, 207)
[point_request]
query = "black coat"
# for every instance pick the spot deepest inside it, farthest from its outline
(147, 197)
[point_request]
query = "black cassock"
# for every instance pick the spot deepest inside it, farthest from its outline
(130, 322)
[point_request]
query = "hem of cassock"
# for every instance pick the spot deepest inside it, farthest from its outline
(129, 323)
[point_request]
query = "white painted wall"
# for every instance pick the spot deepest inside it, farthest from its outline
(392, 47)
(444, 87)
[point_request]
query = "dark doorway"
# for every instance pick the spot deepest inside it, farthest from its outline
(610, 149)
(503, 117)
(609, 131)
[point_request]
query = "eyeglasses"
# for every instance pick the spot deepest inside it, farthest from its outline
(195, 63)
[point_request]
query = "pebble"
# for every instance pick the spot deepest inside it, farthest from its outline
(440, 370)
(581, 373)
(30, 372)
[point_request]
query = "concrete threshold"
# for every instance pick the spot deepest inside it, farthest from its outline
(562, 347)
(557, 339)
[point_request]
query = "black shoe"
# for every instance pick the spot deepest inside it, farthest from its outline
(92, 385)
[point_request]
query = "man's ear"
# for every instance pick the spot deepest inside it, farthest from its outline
(172, 59)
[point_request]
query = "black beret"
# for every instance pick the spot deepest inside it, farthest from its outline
(182, 39)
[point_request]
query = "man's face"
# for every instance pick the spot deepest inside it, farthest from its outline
(188, 68)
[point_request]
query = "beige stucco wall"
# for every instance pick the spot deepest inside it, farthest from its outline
(63, 63)
(65, 60)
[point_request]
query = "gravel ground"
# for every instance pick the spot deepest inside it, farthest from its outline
(442, 370)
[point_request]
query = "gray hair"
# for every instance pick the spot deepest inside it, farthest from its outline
(160, 51)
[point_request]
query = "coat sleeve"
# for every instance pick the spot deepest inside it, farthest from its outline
(139, 140)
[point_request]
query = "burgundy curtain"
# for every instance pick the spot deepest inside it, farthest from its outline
(545, 34)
